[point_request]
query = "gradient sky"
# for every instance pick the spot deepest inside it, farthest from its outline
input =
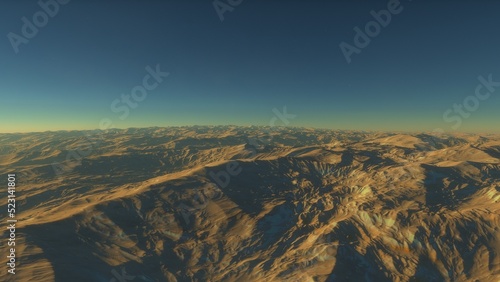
(264, 55)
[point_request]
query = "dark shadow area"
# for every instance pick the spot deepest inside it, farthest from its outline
(437, 195)
(353, 266)
(350, 265)
(492, 151)
(119, 165)
(426, 271)
(75, 257)
(256, 182)
(71, 257)
(346, 159)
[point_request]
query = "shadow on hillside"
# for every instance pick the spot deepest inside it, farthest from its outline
(437, 196)
(350, 264)
(426, 271)
(493, 151)
(259, 181)
(75, 257)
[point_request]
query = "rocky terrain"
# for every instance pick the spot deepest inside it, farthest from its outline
(253, 204)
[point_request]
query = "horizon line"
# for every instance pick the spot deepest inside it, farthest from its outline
(263, 126)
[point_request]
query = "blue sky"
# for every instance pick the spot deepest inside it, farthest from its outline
(264, 55)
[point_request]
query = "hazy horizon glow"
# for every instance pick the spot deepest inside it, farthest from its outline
(264, 55)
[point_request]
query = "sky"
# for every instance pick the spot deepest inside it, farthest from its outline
(234, 61)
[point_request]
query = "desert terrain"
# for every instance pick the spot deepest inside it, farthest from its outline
(229, 203)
